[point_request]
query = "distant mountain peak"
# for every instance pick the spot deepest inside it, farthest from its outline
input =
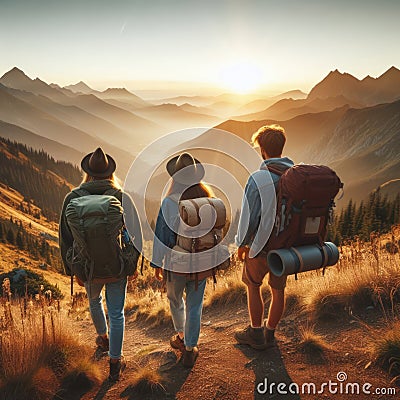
(13, 75)
(390, 73)
(117, 90)
(16, 70)
(393, 69)
(80, 87)
(367, 78)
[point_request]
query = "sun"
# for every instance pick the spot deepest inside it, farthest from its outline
(240, 77)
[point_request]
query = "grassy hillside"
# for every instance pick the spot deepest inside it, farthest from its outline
(37, 176)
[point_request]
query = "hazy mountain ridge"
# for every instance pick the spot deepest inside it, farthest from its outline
(332, 125)
(122, 119)
(285, 109)
(368, 91)
(361, 144)
(364, 148)
(17, 79)
(302, 131)
(56, 149)
(79, 87)
(335, 90)
(25, 115)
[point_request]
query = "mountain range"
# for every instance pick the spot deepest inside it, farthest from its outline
(359, 138)
(335, 90)
(350, 124)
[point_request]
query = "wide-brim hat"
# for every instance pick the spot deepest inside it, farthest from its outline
(98, 164)
(185, 169)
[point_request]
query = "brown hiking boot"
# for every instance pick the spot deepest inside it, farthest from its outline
(190, 357)
(177, 343)
(116, 370)
(253, 337)
(103, 344)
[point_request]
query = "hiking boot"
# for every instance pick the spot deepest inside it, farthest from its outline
(116, 369)
(269, 336)
(190, 357)
(177, 343)
(103, 343)
(254, 337)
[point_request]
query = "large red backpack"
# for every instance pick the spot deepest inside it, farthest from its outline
(304, 201)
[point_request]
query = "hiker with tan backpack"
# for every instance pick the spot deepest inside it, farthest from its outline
(292, 230)
(97, 249)
(186, 249)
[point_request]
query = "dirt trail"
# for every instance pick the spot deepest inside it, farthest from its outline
(225, 370)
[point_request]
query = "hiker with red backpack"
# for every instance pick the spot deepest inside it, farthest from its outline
(293, 230)
(173, 252)
(97, 249)
(271, 140)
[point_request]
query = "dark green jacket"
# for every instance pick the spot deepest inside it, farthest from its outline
(99, 187)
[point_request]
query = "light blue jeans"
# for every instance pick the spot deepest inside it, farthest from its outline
(186, 317)
(115, 300)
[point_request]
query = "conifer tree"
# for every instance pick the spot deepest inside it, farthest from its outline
(19, 240)
(10, 236)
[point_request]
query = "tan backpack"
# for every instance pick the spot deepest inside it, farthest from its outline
(194, 219)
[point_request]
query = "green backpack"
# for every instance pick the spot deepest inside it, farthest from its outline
(101, 248)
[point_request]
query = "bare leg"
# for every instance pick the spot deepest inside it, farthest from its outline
(276, 307)
(256, 305)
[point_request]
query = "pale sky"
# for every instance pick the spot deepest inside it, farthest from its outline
(273, 45)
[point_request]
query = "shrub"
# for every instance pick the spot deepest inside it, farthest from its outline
(145, 381)
(25, 281)
(386, 349)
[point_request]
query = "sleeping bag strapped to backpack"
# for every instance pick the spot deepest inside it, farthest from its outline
(304, 202)
(198, 251)
(99, 250)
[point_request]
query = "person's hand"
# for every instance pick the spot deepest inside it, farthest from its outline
(158, 274)
(78, 281)
(132, 278)
(242, 252)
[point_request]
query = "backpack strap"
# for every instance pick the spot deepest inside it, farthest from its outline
(81, 192)
(277, 168)
(112, 192)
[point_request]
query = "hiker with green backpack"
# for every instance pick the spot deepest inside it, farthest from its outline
(97, 249)
(184, 262)
(296, 222)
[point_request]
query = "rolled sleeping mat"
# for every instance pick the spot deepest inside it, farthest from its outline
(189, 211)
(303, 258)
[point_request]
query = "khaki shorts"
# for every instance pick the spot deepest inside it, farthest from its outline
(256, 268)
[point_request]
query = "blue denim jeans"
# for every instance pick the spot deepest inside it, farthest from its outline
(115, 300)
(186, 317)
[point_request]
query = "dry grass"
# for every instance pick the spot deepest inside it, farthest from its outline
(149, 306)
(364, 277)
(386, 349)
(313, 345)
(145, 382)
(228, 290)
(367, 275)
(38, 351)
